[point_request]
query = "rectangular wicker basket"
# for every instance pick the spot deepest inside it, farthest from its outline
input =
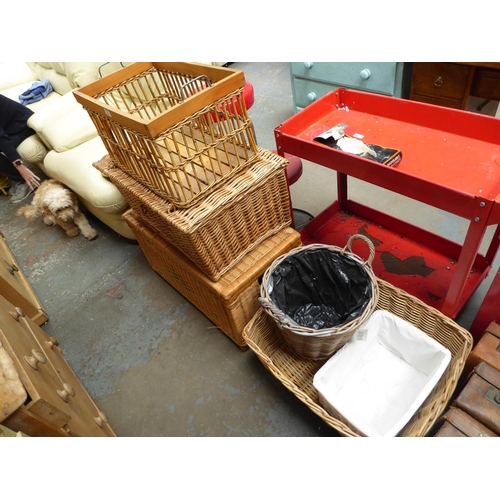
(296, 373)
(230, 302)
(233, 220)
(178, 128)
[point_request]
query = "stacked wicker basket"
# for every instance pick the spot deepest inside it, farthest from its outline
(209, 208)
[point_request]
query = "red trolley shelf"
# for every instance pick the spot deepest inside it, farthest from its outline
(451, 161)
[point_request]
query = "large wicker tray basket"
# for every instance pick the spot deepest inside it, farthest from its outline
(229, 223)
(178, 128)
(320, 343)
(296, 373)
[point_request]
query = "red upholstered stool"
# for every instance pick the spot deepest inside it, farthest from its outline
(293, 170)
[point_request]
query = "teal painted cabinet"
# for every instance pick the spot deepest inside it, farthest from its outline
(312, 80)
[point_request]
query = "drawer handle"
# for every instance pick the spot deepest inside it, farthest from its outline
(311, 96)
(12, 269)
(32, 361)
(308, 65)
(365, 74)
(18, 313)
(439, 82)
(52, 342)
(68, 391)
(100, 419)
(37, 357)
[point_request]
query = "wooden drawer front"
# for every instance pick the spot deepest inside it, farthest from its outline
(446, 81)
(15, 288)
(437, 102)
(86, 419)
(487, 84)
(370, 76)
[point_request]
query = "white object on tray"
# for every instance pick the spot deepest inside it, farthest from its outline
(380, 378)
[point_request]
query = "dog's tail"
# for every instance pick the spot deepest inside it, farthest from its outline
(29, 211)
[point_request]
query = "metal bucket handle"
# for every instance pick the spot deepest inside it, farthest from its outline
(181, 90)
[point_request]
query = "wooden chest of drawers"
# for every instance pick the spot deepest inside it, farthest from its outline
(55, 403)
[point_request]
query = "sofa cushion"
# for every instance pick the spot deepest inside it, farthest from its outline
(63, 125)
(74, 168)
(55, 74)
(80, 74)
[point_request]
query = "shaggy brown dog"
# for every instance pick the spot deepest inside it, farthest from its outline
(58, 205)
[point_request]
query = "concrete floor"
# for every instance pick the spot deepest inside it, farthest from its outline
(152, 362)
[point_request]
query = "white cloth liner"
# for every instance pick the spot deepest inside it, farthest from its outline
(380, 378)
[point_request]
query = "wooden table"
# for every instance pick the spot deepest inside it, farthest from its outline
(451, 84)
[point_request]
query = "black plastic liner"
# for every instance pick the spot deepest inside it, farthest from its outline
(320, 288)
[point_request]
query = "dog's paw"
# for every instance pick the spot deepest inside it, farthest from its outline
(49, 221)
(73, 232)
(91, 235)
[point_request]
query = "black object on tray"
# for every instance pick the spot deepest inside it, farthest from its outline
(336, 138)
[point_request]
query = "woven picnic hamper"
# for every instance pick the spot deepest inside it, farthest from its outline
(222, 228)
(319, 343)
(296, 372)
(178, 128)
(229, 302)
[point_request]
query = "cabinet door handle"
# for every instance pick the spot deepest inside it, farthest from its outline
(439, 82)
(308, 65)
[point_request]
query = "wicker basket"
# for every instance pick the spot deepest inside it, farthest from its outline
(320, 343)
(220, 230)
(296, 373)
(230, 302)
(178, 128)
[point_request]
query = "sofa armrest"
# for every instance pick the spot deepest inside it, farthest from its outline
(63, 125)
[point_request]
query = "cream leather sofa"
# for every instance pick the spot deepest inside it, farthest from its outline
(66, 143)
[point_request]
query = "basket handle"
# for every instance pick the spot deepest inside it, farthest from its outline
(181, 90)
(367, 241)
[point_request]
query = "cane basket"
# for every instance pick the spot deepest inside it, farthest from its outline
(319, 343)
(180, 129)
(296, 372)
(222, 228)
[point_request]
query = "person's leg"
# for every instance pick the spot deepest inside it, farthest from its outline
(19, 190)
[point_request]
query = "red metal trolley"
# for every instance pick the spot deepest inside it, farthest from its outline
(451, 161)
